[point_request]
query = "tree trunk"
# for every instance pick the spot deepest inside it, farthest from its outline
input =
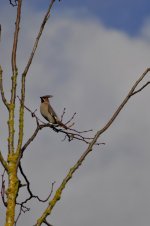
(12, 190)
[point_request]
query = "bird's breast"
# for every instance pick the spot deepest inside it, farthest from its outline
(45, 113)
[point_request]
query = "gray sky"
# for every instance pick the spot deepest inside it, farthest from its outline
(89, 70)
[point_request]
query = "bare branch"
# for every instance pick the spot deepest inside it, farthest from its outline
(32, 113)
(108, 124)
(4, 163)
(3, 191)
(23, 82)
(46, 17)
(29, 190)
(24, 208)
(59, 191)
(14, 51)
(64, 111)
(2, 89)
(27, 143)
(1, 80)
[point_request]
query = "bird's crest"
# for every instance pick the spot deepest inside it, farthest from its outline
(46, 97)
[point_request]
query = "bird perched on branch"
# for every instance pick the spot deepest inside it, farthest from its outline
(48, 113)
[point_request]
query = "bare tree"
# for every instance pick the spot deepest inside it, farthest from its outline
(12, 164)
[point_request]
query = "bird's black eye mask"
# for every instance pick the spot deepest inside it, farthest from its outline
(42, 100)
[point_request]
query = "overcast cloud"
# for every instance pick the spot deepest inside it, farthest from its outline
(89, 70)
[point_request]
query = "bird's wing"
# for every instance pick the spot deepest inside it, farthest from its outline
(52, 112)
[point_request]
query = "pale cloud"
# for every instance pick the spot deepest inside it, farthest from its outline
(89, 69)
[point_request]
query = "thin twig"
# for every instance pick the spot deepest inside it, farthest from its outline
(64, 111)
(48, 224)
(23, 209)
(71, 118)
(84, 131)
(13, 4)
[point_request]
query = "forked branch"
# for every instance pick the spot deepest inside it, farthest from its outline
(140, 89)
(22, 204)
(14, 81)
